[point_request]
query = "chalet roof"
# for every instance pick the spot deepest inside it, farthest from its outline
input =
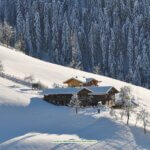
(100, 90)
(90, 79)
(93, 89)
(64, 91)
(81, 79)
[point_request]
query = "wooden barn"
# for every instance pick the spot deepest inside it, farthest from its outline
(79, 82)
(89, 96)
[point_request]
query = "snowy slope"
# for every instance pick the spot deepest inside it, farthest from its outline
(30, 123)
(20, 65)
(27, 122)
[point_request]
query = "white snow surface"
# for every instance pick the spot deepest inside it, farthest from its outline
(29, 123)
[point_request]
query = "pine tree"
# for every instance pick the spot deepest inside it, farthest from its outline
(19, 21)
(130, 49)
(65, 41)
(47, 29)
(109, 35)
(111, 57)
(38, 33)
(28, 36)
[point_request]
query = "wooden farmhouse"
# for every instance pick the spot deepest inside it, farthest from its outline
(79, 82)
(88, 95)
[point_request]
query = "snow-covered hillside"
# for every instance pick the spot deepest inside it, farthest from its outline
(27, 122)
(20, 65)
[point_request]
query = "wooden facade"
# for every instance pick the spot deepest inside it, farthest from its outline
(86, 97)
(75, 82)
(91, 83)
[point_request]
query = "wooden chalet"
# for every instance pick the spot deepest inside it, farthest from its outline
(89, 95)
(79, 82)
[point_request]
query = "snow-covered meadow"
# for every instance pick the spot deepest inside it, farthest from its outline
(27, 122)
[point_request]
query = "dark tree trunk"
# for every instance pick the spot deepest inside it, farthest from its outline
(76, 110)
(128, 116)
(145, 129)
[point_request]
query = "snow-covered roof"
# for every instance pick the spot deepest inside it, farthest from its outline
(90, 79)
(63, 91)
(100, 90)
(94, 90)
(84, 80)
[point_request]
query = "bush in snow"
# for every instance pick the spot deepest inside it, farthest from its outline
(55, 85)
(75, 102)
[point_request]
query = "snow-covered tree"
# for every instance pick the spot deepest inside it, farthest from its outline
(65, 41)
(112, 112)
(28, 39)
(20, 24)
(38, 33)
(125, 97)
(75, 102)
(1, 32)
(97, 69)
(111, 58)
(20, 45)
(144, 117)
(47, 29)
(130, 53)
(7, 34)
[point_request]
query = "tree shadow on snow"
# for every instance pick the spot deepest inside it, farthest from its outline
(17, 140)
(42, 117)
(142, 140)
